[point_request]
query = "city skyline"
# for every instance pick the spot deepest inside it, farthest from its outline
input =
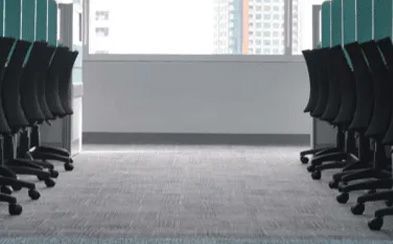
(227, 27)
(254, 27)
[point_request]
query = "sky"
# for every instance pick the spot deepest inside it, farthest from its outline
(160, 27)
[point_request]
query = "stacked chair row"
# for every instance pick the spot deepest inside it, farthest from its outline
(351, 88)
(35, 88)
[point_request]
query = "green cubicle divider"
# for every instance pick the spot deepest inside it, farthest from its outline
(336, 22)
(326, 17)
(52, 22)
(349, 21)
(12, 18)
(28, 20)
(364, 20)
(41, 20)
(1, 17)
(383, 18)
(349, 24)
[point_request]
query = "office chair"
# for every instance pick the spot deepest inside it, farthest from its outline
(61, 93)
(343, 85)
(320, 79)
(328, 74)
(386, 48)
(50, 96)
(379, 172)
(64, 96)
(362, 114)
(15, 115)
(314, 96)
(29, 98)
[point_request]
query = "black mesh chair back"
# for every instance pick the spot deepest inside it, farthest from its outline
(45, 60)
(313, 96)
(347, 89)
(52, 82)
(65, 83)
(364, 88)
(11, 87)
(320, 55)
(334, 94)
(386, 48)
(28, 85)
(6, 45)
(382, 91)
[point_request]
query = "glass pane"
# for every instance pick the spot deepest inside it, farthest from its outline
(266, 21)
(187, 27)
(151, 26)
(77, 77)
(302, 24)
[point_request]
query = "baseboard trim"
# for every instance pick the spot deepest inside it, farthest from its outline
(195, 139)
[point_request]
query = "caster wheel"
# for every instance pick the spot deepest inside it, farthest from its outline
(389, 203)
(17, 188)
(40, 178)
(54, 174)
(34, 194)
(316, 175)
(311, 168)
(72, 161)
(15, 209)
(375, 224)
(304, 159)
(6, 190)
(333, 184)
(68, 167)
(50, 183)
(358, 209)
(343, 198)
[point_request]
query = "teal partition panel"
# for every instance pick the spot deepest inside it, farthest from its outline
(52, 22)
(349, 24)
(41, 20)
(1, 17)
(326, 31)
(349, 21)
(336, 22)
(12, 18)
(28, 20)
(364, 20)
(383, 18)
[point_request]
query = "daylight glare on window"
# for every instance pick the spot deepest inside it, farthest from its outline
(249, 27)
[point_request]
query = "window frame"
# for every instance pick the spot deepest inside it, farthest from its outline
(287, 57)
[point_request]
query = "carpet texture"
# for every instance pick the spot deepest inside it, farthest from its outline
(188, 194)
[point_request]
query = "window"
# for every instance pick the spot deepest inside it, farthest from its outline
(199, 27)
(302, 25)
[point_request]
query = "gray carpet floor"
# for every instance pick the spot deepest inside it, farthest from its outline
(190, 193)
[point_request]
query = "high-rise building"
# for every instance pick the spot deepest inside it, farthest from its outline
(265, 23)
(228, 26)
(254, 26)
(296, 27)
